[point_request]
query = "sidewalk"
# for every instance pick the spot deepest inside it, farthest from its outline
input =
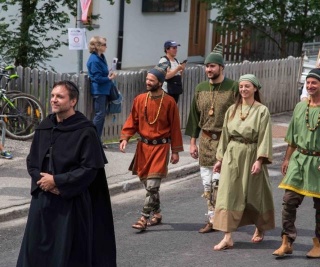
(15, 181)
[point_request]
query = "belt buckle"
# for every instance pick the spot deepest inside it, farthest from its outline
(154, 142)
(214, 136)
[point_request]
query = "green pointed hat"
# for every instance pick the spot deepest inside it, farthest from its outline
(216, 56)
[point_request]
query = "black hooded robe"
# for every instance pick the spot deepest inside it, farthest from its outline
(75, 228)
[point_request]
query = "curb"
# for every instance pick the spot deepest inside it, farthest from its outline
(134, 183)
(279, 148)
(22, 210)
(15, 212)
(176, 173)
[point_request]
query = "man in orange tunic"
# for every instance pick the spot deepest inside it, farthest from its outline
(155, 117)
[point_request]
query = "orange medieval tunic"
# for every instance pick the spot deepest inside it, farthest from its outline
(151, 161)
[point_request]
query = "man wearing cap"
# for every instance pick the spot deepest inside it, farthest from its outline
(304, 94)
(211, 100)
(173, 83)
(301, 167)
(155, 117)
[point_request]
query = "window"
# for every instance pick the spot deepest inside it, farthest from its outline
(161, 5)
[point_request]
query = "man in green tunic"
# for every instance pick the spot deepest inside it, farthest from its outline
(301, 166)
(211, 100)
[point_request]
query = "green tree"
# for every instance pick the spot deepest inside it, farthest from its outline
(24, 36)
(295, 21)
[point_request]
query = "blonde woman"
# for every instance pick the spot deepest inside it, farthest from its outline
(245, 147)
(101, 80)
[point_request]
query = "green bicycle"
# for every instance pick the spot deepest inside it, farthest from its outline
(20, 112)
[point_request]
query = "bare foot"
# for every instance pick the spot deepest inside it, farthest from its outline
(224, 244)
(257, 236)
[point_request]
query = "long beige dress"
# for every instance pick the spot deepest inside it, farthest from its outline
(243, 198)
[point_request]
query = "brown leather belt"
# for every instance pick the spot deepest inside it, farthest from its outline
(242, 140)
(308, 152)
(211, 135)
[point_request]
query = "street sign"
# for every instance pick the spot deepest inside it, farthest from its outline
(77, 39)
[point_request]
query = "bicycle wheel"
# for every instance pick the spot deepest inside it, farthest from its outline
(22, 116)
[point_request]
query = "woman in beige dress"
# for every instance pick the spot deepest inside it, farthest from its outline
(245, 147)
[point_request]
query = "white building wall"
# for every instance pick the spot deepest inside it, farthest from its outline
(144, 36)
(108, 27)
(212, 14)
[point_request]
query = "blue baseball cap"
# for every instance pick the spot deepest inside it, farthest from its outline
(170, 43)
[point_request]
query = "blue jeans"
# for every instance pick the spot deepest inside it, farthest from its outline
(100, 103)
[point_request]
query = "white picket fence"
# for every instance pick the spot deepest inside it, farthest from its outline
(279, 79)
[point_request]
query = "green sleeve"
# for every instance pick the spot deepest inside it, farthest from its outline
(224, 138)
(192, 127)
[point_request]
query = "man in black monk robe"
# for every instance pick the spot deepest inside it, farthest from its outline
(70, 219)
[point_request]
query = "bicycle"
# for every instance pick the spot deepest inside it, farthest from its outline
(21, 112)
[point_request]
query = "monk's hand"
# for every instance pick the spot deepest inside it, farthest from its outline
(55, 191)
(46, 182)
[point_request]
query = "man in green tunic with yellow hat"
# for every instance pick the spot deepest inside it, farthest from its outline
(301, 166)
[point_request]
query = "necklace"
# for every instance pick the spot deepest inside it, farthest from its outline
(244, 117)
(145, 108)
(307, 119)
(211, 110)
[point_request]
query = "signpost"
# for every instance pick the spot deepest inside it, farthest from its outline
(80, 52)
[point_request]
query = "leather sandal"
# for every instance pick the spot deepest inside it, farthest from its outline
(206, 229)
(155, 220)
(141, 224)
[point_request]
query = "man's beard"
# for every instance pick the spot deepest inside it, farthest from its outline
(214, 76)
(154, 87)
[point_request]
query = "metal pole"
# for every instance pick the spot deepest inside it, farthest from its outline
(79, 25)
(3, 131)
(120, 35)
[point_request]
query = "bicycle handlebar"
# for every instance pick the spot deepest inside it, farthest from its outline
(6, 68)
(6, 73)
(7, 76)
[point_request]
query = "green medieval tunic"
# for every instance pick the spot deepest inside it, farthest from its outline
(244, 198)
(221, 96)
(303, 174)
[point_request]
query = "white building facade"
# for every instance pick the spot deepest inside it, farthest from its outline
(143, 35)
(136, 37)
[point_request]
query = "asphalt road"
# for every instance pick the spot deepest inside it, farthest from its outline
(176, 242)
